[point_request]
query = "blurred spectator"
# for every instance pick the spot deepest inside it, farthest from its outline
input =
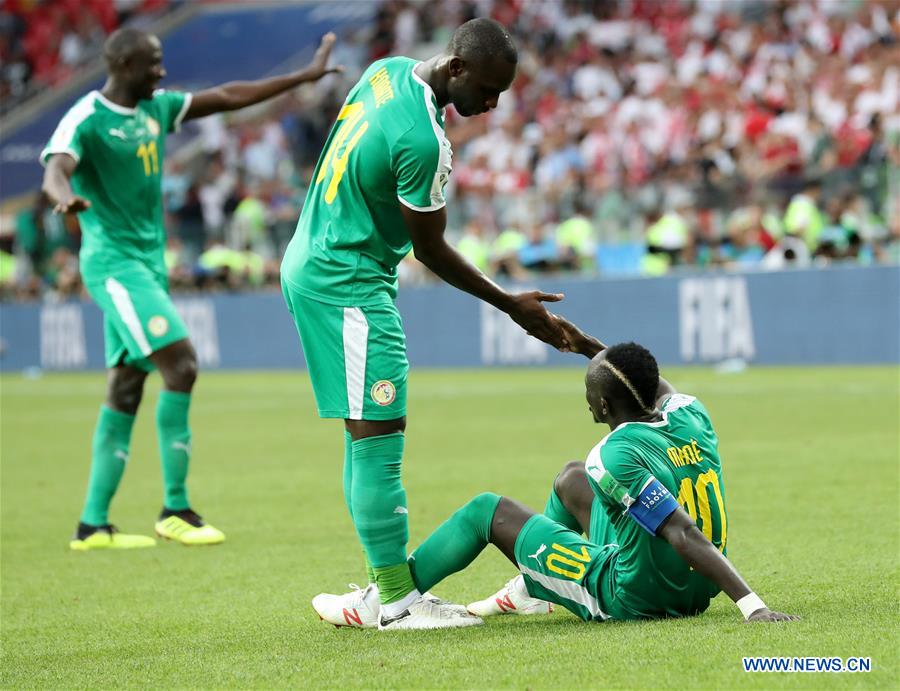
(575, 239)
(638, 136)
(42, 42)
(473, 246)
(803, 218)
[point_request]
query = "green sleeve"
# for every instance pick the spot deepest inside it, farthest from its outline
(72, 133)
(171, 106)
(421, 165)
(616, 474)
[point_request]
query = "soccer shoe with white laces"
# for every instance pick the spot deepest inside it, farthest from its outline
(513, 598)
(360, 607)
(425, 613)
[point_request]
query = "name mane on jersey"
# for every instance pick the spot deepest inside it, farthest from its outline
(381, 87)
(680, 456)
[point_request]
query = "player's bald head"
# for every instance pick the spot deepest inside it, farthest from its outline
(125, 43)
(483, 40)
(626, 376)
(134, 59)
(481, 63)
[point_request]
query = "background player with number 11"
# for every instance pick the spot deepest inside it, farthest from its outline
(104, 162)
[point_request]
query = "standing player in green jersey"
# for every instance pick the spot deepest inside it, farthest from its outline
(104, 162)
(647, 554)
(377, 192)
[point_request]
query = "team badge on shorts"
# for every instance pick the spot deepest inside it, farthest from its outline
(158, 326)
(383, 392)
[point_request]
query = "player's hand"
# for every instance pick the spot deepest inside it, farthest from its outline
(579, 342)
(765, 614)
(318, 68)
(72, 205)
(529, 312)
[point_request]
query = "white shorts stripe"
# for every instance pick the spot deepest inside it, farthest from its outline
(125, 307)
(356, 338)
(567, 589)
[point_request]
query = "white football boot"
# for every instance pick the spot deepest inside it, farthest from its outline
(513, 598)
(460, 609)
(425, 613)
(359, 608)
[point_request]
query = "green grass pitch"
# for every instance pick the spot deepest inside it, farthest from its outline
(811, 462)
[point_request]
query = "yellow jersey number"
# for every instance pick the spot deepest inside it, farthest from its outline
(349, 133)
(148, 154)
(567, 562)
(694, 497)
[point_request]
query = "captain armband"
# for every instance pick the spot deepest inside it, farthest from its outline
(652, 506)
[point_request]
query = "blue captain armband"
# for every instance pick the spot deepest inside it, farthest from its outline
(652, 506)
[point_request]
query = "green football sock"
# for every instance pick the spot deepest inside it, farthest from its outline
(379, 512)
(456, 542)
(555, 510)
(112, 437)
(348, 483)
(174, 446)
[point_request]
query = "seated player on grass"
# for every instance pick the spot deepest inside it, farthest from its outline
(647, 554)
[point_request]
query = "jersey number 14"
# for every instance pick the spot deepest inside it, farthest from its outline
(352, 117)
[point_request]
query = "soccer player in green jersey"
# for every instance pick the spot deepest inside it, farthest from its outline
(650, 498)
(104, 162)
(377, 192)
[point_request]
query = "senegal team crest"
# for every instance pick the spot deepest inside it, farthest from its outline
(383, 392)
(158, 326)
(153, 127)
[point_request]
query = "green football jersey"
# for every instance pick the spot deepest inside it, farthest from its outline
(120, 160)
(387, 148)
(681, 452)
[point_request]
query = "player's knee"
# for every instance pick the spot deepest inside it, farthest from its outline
(182, 374)
(486, 501)
(571, 478)
(480, 511)
(125, 392)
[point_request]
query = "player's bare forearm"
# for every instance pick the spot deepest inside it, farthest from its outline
(237, 95)
(451, 267)
(57, 187)
(680, 531)
(426, 229)
(56, 184)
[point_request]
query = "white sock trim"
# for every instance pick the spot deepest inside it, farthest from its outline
(396, 608)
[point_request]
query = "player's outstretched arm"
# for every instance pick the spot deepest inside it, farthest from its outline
(426, 229)
(236, 95)
(56, 185)
(682, 533)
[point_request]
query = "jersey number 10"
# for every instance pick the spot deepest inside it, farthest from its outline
(694, 497)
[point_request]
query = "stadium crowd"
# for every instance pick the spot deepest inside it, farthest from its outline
(43, 42)
(640, 136)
